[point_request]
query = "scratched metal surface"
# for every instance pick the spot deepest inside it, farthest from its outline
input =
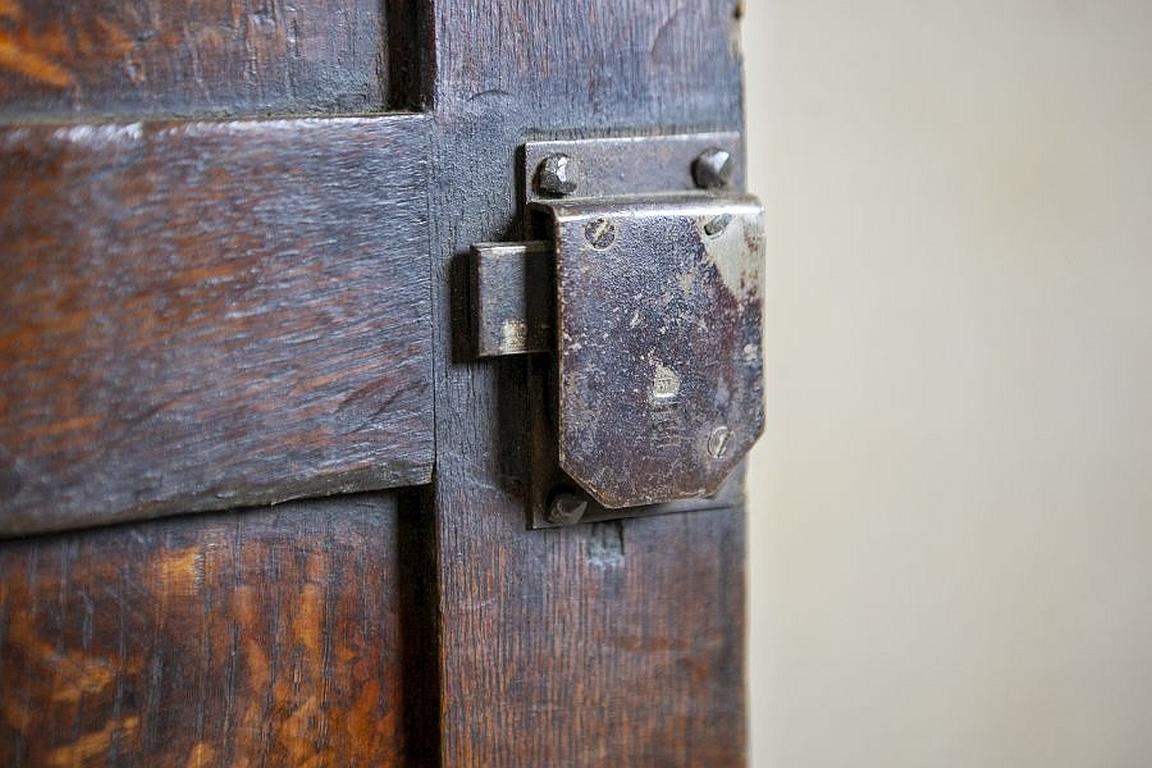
(658, 332)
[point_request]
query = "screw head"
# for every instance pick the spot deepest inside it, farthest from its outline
(717, 225)
(600, 233)
(558, 175)
(713, 168)
(718, 442)
(567, 510)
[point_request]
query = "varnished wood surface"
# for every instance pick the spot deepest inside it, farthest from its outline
(218, 57)
(607, 644)
(206, 315)
(264, 638)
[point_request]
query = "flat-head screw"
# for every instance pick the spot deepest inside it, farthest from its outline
(567, 509)
(712, 168)
(717, 224)
(718, 442)
(600, 233)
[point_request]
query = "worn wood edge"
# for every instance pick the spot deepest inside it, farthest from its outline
(10, 126)
(401, 475)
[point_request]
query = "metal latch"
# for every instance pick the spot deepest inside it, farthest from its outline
(645, 289)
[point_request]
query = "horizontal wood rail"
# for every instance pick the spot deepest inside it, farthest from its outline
(204, 315)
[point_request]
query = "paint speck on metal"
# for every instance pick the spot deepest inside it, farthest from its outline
(665, 383)
(736, 253)
(686, 280)
(513, 335)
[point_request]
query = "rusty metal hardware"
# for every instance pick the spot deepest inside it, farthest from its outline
(650, 305)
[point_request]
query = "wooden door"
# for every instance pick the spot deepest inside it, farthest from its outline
(261, 503)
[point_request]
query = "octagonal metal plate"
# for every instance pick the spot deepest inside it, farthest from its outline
(658, 312)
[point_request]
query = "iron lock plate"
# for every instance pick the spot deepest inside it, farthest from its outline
(658, 328)
(650, 307)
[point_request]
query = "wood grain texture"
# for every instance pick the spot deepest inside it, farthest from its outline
(217, 57)
(205, 315)
(576, 65)
(607, 644)
(268, 637)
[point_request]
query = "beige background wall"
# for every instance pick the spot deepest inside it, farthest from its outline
(951, 517)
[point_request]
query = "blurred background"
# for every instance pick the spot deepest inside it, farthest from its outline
(951, 508)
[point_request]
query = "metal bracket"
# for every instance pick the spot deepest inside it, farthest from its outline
(650, 304)
(633, 165)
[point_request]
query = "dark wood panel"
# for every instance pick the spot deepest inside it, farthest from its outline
(204, 315)
(607, 644)
(583, 64)
(272, 637)
(221, 57)
(613, 643)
